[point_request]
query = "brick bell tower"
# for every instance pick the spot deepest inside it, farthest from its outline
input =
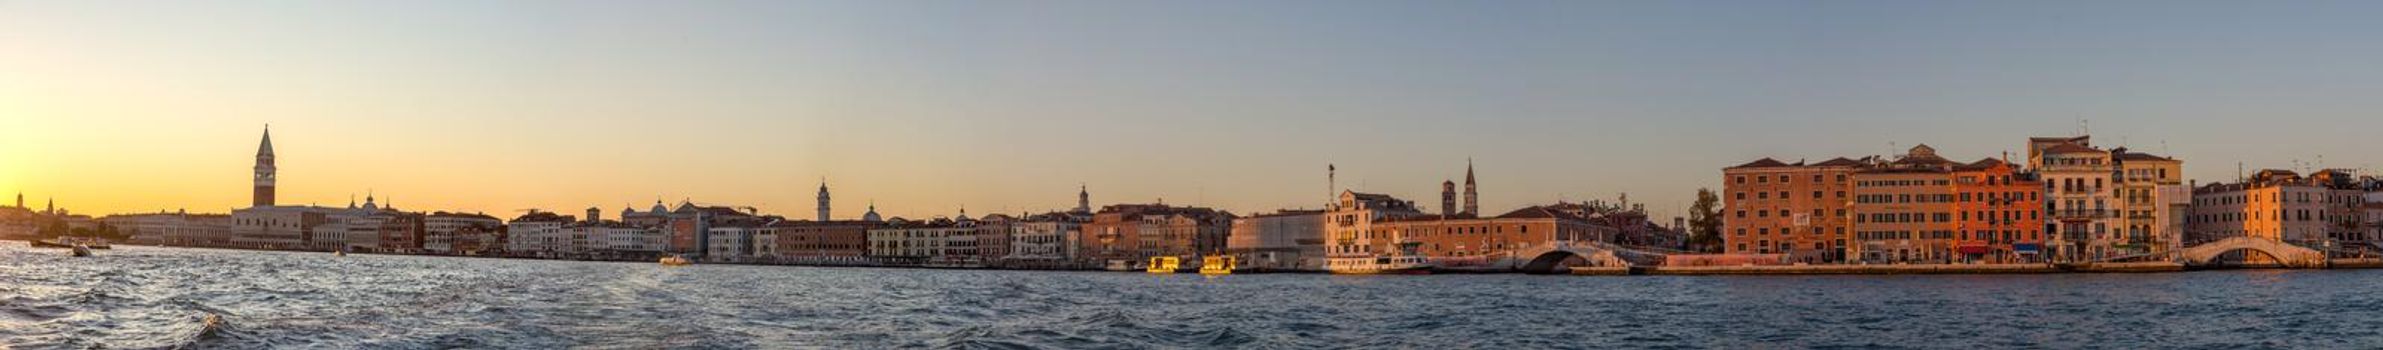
(264, 171)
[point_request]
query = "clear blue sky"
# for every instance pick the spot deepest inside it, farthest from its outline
(927, 106)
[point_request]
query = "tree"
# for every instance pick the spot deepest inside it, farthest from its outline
(1704, 221)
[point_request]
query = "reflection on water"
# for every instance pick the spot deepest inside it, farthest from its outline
(137, 297)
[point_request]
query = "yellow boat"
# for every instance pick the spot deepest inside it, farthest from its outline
(1164, 264)
(1215, 265)
(675, 260)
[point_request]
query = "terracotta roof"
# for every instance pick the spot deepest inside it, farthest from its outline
(1839, 161)
(1981, 164)
(1761, 163)
(2070, 148)
(1371, 196)
(2141, 156)
(1923, 160)
(1538, 212)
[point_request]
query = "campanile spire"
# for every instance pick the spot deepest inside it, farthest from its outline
(263, 195)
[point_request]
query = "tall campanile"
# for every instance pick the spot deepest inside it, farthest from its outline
(264, 171)
(823, 212)
(1472, 199)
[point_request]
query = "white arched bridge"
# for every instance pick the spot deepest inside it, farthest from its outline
(2208, 253)
(2284, 253)
(1560, 256)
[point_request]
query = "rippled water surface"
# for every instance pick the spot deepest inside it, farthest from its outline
(138, 297)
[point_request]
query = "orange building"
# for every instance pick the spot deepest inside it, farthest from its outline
(1925, 208)
(1918, 207)
(1799, 210)
(2000, 212)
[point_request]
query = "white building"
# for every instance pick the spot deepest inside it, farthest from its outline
(284, 227)
(1046, 240)
(623, 238)
(731, 243)
(2081, 195)
(178, 228)
(452, 233)
(914, 243)
(538, 234)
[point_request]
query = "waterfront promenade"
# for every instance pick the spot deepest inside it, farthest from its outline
(1646, 270)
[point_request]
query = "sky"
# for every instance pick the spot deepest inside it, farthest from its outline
(926, 108)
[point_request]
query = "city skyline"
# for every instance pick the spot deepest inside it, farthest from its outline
(1240, 110)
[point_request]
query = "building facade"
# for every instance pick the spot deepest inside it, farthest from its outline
(1048, 240)
(1801, 211)
(823, 242)
(2322, 210)
(1287, 239)
(175, 229)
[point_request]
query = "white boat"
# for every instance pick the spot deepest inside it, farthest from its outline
(675, 260)
(1379, 265)
(1121, 266)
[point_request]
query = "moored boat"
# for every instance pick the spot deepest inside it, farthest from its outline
(1379, 265)
(1164, 264)
(1214, 265)
(1121, 266)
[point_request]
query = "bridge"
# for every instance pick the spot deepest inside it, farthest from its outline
(2207, 253)
(2284, 253)
(1561, 256)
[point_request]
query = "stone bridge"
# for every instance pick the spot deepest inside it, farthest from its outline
(2285, 253)
(1558, 256)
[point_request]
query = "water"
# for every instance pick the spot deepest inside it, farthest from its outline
(138, 297)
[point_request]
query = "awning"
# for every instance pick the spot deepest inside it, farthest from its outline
(2026, 248)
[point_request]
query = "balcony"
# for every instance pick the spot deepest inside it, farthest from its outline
(2083, 214)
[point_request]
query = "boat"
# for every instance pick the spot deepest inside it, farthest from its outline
(1217, 265)
(1404, 261)
(675, 260)
(1164, 264)
(82, 251)
(71, 242)
(1121, 266)
(1379, 265)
